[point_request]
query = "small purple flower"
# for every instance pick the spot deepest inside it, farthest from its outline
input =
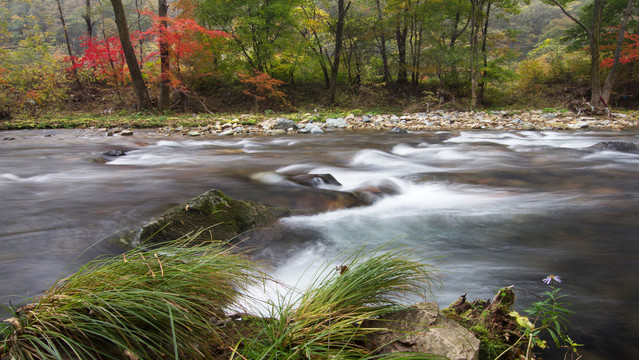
(551, 278)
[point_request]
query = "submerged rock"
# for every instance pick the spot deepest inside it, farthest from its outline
(621, 146)
(422, 329)
(221, 218)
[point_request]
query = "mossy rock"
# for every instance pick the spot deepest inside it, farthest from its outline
(221, 218)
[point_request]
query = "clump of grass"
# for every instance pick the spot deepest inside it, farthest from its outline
(145, 304)
(326, 321)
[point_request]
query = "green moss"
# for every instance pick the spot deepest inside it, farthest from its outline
(489, 347)
(222, 217)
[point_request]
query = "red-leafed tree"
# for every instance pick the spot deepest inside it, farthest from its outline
(262, 87)
(180, 42)
(629, 50)
(105, 59)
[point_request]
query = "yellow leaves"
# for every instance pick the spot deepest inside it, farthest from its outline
(522, 321)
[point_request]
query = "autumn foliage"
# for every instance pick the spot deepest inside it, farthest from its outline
(105, 59)
(186, 41)
(262, 87)
(629, 50)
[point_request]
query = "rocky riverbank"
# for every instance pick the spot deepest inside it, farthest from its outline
(431, 121)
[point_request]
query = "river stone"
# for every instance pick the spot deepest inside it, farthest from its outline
(311, 129)
(621, 146)
(422, 329)
(397, 130)
(222, 218)
(314, 180)
(285, 124)
(114, 153)
(336, 123)
(126, 133)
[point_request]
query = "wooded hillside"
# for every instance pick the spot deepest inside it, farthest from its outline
(256, 55)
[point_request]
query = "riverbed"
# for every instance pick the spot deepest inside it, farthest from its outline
(487, 208)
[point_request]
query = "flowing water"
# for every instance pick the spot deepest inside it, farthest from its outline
(489, 209)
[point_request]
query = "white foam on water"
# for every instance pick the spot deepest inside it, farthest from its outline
(11, 177)
(295, 169)
(145, 159)
(525, 139)
(437, 152)
(613, 156)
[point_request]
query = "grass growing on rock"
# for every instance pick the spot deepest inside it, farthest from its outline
(326, 321)
(167, 302)
(145, 304)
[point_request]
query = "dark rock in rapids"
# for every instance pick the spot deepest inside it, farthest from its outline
(372, 193)
(114, 153)
(110, 155)
(422, 328)
(621, 146)
(397, 130)
(314, 180)
(221, 218)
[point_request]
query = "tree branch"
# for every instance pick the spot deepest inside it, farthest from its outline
(563, 9)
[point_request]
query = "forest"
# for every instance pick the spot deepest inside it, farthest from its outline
(283, 55)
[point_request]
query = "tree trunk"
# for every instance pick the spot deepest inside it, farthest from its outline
(595, 34)
(482, 85)
(164, 101)
(68, 42)
(339, 32)
(144, 101)
(138, 12)
(476, 7)
(610, 79)
(88, 19)
(400, 36)
(382, 39)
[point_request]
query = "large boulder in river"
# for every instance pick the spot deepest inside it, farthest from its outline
(422, 328)
(221, 218)
(621, 146)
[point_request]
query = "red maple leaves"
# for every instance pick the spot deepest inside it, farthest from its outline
(185, 40)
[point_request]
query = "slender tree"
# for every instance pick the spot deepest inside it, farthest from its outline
(382, 45)
(88, 18)
(342, 11)
(165, 65)
(144, 101)
(69, 50)
(610, 79)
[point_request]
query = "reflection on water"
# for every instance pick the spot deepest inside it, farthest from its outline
(490, 209)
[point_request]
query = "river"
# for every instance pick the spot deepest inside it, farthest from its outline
(487, 208)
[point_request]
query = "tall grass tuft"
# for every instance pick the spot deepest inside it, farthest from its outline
(327, 320)
(146, 304)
